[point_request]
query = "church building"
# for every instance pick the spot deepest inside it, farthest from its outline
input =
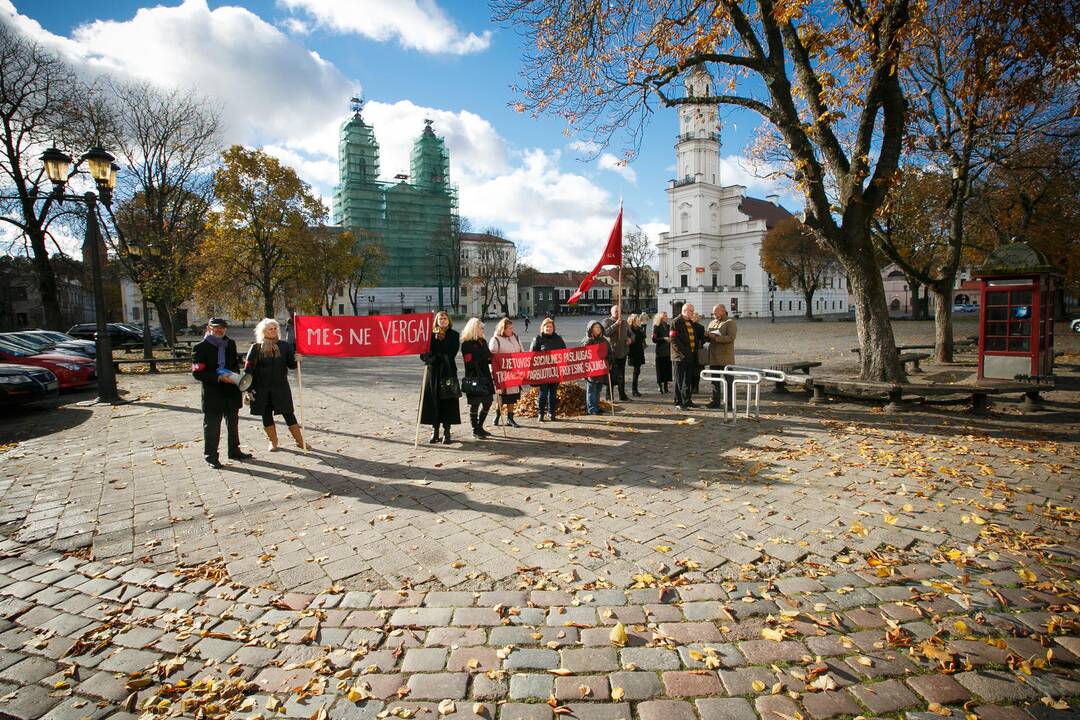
(711, 252)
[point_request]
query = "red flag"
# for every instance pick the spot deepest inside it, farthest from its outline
(612, 256)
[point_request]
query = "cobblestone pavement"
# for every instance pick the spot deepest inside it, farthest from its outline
(818, 562)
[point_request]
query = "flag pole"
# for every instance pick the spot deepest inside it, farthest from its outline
(300, 383)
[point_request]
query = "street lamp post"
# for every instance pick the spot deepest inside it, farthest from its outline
(103, 170)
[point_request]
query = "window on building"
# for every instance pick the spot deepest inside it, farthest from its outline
(734, 305)
(683, 281)
(800, 305)
(136, 314)
(341, 308)
(684, 222)
(684, 253)
(714, 279)
(738, 279)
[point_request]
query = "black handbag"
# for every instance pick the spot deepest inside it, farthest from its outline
(449, 389)
(703, 356)
(476, 386)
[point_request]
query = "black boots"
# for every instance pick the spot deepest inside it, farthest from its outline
(477, 417)
(446, 435)
(510, 419)
(434, 434)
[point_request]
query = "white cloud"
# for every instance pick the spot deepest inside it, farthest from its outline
(735, 170)
(585, 147)
(268, 85)
(608, 161)
(296, 26)
(417, 24)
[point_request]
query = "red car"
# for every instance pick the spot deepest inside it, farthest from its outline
(71, 370)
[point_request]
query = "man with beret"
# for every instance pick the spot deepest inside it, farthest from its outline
(216, 365)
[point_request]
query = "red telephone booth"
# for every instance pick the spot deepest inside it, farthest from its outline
(1016, 313)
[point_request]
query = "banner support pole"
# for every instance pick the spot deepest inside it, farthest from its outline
(611, 393)
(420, 406)
(300, 383)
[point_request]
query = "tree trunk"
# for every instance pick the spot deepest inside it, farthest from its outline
(879, 359)
(165, 317)
(268, 304)
(809, 297)
(943, 331)
(46, 279)
(918, 310)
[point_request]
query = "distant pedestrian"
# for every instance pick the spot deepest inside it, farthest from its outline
(438, 405)
(215, 364)
(547, 397)
(505, 341)
(477, 383)
(526, 319)
(661, 330)
(269, 361)
(635, 357)
(594, 335)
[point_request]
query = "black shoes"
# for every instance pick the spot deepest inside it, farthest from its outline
(434, 436)
(636, 394)
(241, 456)
(511, 422)
(714, 406)
(214, 463)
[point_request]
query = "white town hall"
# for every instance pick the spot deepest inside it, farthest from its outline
(711, 253)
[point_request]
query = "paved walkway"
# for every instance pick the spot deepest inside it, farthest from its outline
(819, 562)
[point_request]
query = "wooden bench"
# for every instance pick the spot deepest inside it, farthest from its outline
(152, 362)
(914, 358)
(894, 393)
(790, 368)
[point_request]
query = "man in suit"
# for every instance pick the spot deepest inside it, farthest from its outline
(215, 364)
(687, 337)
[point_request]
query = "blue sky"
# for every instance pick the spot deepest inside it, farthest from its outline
(283, 72)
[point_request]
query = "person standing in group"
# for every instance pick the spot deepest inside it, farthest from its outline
(618, 334)
(439, 403)
(721, 334)
(687, 337)
(594, 335)
(547, 397)
(505, 341)
(662, 343)
(477, 383)
(215, 364)
(635, 356)
(269, 361)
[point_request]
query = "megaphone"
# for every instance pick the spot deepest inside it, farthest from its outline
(245, 382)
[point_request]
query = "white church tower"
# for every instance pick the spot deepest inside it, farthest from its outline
(711, 252)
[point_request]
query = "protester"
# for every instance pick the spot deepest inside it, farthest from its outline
(547, 397)
(594, 335)
(477, 385)
(269, 361)
(505, 341)
(662, 343)
(635, 356)
(439, 404)
(618, 333)
(215, 364)
(721, 334)
(702, 357)
(687, 337)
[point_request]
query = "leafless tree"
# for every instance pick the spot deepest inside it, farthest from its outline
(637, 255)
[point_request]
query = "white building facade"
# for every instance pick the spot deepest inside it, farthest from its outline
(488, 264)
(712, 251)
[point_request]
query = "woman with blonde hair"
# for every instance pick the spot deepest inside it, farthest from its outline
(505, 341)
(477, 384)
(439, 402)
(269, 361)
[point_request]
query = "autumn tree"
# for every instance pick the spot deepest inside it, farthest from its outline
(42, 104)
(981, 85)
(791, 254)
(262, 231)
(168, 143)
(637, 256)
(367, 271)
(323, 273)
(823, 76)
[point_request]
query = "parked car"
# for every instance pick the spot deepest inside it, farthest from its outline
(21, 384)
(38, 340)
(1075, 325)
(118, 334)
(965, 308)
(156, 336)
(70, 370)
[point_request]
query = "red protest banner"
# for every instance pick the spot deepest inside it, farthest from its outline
(538, 368)
(363, 335)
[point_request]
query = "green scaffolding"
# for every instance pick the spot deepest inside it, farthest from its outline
(414, 219)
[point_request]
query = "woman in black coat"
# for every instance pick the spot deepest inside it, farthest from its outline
(477, 358)
(547, 396)
(635, 357)
(269, 361)
(441, 366)
(660, 333)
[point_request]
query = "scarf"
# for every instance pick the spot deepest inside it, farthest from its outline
(440, 333)
(219, 343)
(269, 348)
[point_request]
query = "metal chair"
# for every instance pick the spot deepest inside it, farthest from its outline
(776, 376)
(750, 379)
